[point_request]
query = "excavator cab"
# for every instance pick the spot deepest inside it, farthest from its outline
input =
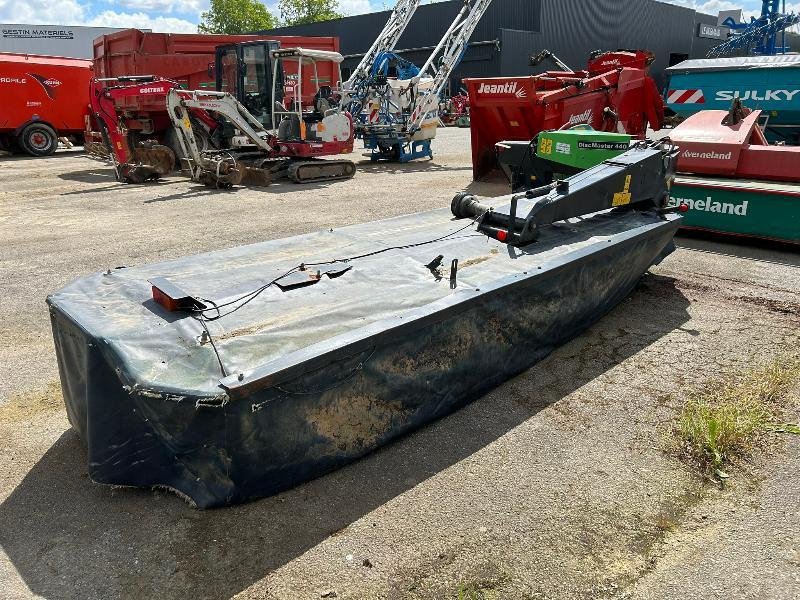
(324, 119)
(258, 134)
(246, 72)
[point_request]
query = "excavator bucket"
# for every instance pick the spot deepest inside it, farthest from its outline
(257, 177)
(263, 172)
(150, 161)
(159, 159)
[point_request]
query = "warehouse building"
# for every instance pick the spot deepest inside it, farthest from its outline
(512, 30)
(73, 41)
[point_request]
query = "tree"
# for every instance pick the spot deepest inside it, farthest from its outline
(298, 12)
(235, 16)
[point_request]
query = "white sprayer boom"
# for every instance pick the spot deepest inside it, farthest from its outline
(444, 59)
(385, 42)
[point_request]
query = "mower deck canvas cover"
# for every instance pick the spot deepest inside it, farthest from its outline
(333, 361)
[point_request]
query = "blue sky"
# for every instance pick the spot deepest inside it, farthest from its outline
(183, 15)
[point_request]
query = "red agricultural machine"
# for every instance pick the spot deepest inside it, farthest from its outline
(135, 70)
(455, 110)
(189, 58)
(614, 93)
(44, 98)
(250, 130)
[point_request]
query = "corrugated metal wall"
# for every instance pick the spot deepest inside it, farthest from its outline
(570, 28)
(662, 28)
(427, 26)
(357, 33)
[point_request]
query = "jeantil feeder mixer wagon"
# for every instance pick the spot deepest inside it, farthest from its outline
(615, 93)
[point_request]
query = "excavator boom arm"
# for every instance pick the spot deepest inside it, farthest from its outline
(179, 102)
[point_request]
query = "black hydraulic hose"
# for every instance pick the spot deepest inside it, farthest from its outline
(538, 191)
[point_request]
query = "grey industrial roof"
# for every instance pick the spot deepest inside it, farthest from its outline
(737, 63)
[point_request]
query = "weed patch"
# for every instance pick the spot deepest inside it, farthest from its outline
(727, 419)
(483, 588)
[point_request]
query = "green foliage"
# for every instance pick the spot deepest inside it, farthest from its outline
(467, 591)
(725, 420)
(235, 16)
(299, 12)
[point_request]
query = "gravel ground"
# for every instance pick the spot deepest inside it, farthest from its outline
(554, 485)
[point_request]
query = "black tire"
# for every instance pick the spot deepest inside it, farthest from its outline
(201, 137)
(16, 147)
(10, 144)
(38, 139)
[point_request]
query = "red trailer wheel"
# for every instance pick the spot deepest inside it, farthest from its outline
(39, 139)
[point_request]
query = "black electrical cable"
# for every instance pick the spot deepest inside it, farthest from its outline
(244, 299)
(214, 346)
(382, 250)
(250, 296)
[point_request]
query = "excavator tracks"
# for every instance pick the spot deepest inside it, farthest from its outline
(266, 171)
(310, 171)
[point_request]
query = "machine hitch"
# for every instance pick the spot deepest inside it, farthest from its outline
(639, 178)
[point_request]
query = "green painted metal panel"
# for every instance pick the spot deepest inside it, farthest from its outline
(761, 209)
(581, 148)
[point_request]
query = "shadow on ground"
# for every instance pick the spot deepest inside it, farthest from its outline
(769, 251)
(99, 174)
(368, 166)
(68, 537)
(96, 176)
(494, 184)
(105, 174)
(62, 153)
(194, 192)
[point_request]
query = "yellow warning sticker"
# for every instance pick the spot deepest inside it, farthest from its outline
(547, 146)
(623, 197)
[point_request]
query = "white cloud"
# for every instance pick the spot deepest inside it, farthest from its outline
(141, 20)
(184, 7)
(355, 7)
(712, 7)
(41, 11)
(178, 16)
(346, 7)
(72, 12)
